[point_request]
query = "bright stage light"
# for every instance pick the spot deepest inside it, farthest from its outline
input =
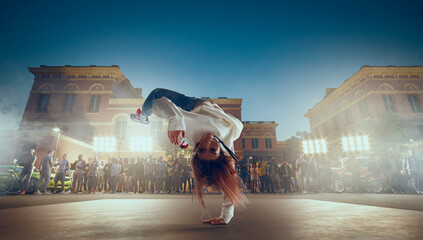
(314, 146)
(305, 147)
(323, 145)
(104, 144)
(141, 144)
(357, 143)
(345, 144)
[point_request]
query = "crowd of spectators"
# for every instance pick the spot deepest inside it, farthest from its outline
(154, 175)
(145, 175)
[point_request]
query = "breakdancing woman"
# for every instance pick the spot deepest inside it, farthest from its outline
(210, 132)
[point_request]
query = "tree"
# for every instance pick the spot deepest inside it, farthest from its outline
(173, 151)
(294, 145)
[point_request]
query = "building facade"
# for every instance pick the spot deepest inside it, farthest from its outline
(367, 95)
(89, 108)
(259, 141)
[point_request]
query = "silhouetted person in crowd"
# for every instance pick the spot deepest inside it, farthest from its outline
(243, 171)
(139, 176)
(413, 166)
(100, 177)
(92, 175)
(285, 173)
(161, 172)
(78, 174)
(85, 175)
(298, 181)
(130, 172)
(149, 174)
(393, 174)
(28, 167)
(313, 170)
(45, 172)
(262, 166)
(61, 173)
(107, 175)
(122, 176)
(188, 177)
(115, 172)
(303, 177)
(169, 178)
(254, 175)
(177, 175)
(274, 176)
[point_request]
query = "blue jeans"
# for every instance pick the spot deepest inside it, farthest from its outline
(180, 100)
(44, 175)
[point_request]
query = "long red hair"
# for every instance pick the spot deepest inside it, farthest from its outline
(220, 174)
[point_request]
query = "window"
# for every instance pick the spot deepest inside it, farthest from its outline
(364, 110)
(414, 103)
(268, 143)
(254, 143)
(325, 129)
(94, 103)
(120, 128)
(348, 115)
(68, 103)
(43, 103)
(336, 122)
(243, 143)
(389, 103)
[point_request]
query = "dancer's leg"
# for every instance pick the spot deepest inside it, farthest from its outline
(180, 100)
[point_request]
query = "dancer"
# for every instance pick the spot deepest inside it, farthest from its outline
(210, 132)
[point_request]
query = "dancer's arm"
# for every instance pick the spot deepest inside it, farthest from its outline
(226, 214)
(227, 210)
(164, 108)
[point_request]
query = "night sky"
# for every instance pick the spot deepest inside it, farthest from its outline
(278, 56)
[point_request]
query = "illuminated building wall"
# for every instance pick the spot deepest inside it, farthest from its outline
(259, 140)
(368, 93)
(91, 105)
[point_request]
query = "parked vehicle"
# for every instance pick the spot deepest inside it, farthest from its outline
(9, 180)
(369, 181)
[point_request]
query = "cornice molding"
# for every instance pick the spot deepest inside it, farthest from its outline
(274, 137)
(113, 71)
(343, 108)
(363, 75)
(94, 92)
(227, 100)
(118, 101)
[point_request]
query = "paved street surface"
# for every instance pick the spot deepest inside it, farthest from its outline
(129, 216)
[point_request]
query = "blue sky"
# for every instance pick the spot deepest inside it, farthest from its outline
(279, 56)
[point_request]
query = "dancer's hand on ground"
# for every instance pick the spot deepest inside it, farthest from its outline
(174, 136)
(215, 221)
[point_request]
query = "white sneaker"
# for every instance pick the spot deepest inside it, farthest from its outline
(139, 117)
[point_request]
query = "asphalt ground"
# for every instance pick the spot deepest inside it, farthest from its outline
(164, 216)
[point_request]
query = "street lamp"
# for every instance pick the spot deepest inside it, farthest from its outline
(57, 130)
(355, 143)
